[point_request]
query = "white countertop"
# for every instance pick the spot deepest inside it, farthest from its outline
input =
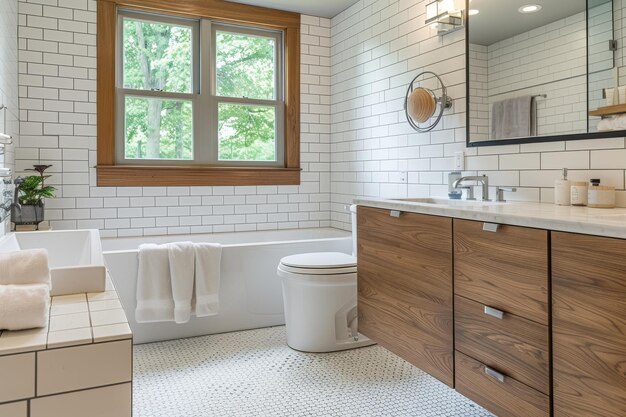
(591, 221)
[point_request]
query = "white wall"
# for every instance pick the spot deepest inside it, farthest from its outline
(57, 65)
(8, 85)
(377, 47)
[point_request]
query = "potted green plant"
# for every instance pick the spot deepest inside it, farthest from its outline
(28, 207)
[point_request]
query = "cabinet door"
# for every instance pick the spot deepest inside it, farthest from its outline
(589, 325)
(405, 287)
(504, 268)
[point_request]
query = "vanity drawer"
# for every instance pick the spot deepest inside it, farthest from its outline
(505, 397)
(515, 346)
(505, 267)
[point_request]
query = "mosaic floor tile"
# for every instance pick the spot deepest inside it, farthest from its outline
(254, 373)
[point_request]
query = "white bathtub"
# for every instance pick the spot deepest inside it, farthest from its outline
(250, 293)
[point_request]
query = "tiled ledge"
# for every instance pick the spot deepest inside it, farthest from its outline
(80, 362)
(77, 319)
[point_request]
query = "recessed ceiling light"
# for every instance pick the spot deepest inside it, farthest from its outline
(473, 12)
(530, 8)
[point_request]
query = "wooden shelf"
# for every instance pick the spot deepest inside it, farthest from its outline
(609, 110)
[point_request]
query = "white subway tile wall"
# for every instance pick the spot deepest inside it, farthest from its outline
(8, 88)
(355, 141)
(57, 90)
(377, 47)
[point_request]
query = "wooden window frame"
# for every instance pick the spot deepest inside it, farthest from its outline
(108, 173)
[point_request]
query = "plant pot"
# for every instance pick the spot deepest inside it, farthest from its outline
(27, 214)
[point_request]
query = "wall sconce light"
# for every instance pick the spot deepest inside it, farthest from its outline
(444, 15)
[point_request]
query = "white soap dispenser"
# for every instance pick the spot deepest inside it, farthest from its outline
(562, 190)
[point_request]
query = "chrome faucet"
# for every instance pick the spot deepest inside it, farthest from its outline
(483, 180)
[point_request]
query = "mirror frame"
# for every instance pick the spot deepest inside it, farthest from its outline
(531, 139)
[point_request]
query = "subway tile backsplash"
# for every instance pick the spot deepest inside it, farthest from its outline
(377, 47)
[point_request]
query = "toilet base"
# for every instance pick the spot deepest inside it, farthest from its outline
(348, 344)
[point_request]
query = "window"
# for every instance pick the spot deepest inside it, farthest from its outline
(247, 66)
(157, 73)
(171, 107)
(197, 101)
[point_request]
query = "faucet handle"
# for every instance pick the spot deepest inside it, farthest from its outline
(500, 193)
(470, 192)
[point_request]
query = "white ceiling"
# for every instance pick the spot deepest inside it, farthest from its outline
(321, 8)
(500, 19)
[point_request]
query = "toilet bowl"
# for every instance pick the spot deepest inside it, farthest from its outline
(320, 297)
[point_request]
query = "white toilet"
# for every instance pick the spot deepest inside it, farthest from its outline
(320, 296)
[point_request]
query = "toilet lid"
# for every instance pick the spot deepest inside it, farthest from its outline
(319, 263)
(320, 260)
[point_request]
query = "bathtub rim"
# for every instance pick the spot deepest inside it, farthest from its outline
(346, 235)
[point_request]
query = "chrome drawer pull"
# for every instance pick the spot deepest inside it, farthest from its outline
(494, 374)
(494, 312)
(395, 213)
(490, 227)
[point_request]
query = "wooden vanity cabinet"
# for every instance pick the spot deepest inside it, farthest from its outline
(405, 286)
(502, 337)
(539, 317)
(589, 325)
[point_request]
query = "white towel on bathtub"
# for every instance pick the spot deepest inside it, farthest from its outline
(208, 276)
(181, 257)
(154, 287)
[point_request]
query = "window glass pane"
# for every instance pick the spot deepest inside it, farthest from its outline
(157, 56)
(245, 66)
(246, 133)
(158, 129)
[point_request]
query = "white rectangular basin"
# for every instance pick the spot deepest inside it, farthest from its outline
(75, 258)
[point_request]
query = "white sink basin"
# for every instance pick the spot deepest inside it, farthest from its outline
(450, 202)
(75, 258)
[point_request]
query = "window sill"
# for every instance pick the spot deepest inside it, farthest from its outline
(151, 176)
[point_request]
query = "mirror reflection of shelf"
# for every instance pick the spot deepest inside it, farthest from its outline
(609, 110)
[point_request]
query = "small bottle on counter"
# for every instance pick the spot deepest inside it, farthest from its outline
(601, 196)
(562, 190)
(578, 193)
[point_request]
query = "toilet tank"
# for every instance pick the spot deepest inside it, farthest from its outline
(353, 215)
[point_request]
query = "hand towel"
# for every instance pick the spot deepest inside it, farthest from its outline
(154, 287)
(619, 122)
(28, 266)
(208, 275)
(513, 118)
(606, 125)
(181, 257)
(24, 306)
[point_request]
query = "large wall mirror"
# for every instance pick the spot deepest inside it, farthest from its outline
(543, 70)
